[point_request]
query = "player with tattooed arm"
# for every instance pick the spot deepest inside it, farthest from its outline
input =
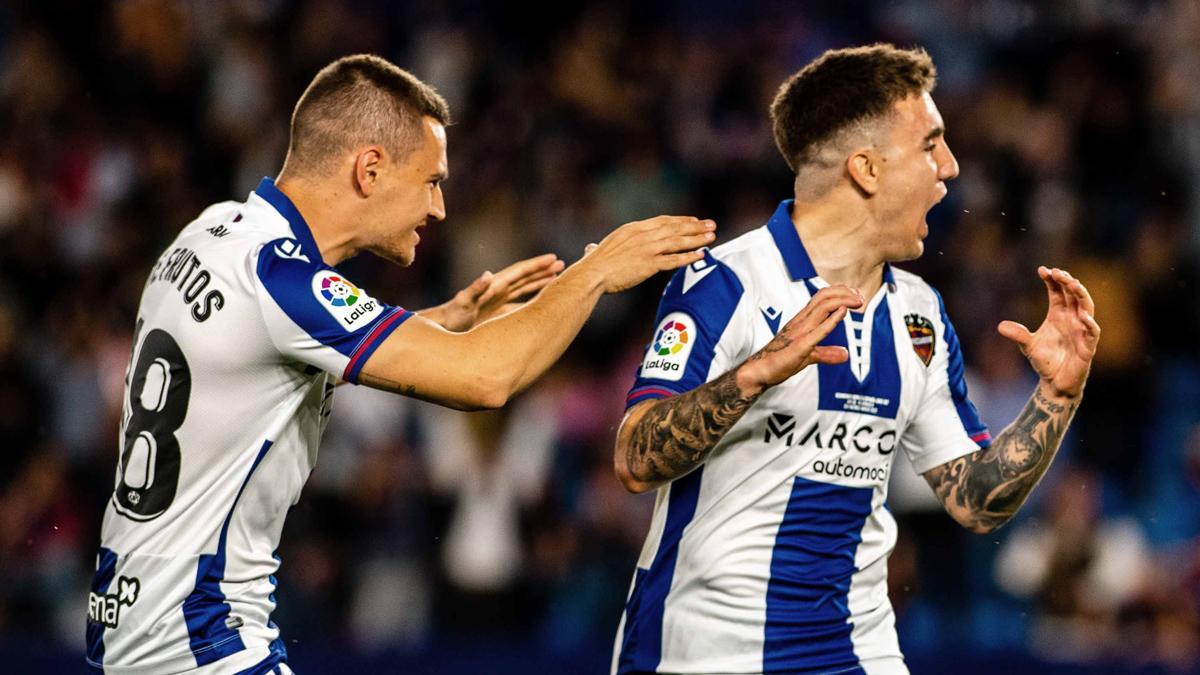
(785, 370)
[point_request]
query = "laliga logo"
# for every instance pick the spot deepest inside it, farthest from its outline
(671, 338)
(348, 304)
(339, 292)
(667, 356)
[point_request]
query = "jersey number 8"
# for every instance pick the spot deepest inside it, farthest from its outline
(158, 402)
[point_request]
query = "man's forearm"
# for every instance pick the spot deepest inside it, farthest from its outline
(524, 343)
(674, 435)
(485, 366)
(983, 490)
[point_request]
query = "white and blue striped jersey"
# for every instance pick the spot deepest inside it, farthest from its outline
(772, 555)
(240, 329)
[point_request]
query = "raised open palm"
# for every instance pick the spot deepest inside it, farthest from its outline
(1061, 349)
(492, 295)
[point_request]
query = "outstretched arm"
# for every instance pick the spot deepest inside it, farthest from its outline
(983, 490)
(485, 366)
(662, 440)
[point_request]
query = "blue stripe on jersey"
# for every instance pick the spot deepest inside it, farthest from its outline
(281, 203)
(882, 383)
(106, 567)
(710, 301)
(641, 644)
(205, 609)
(807, 626)
(274, 586)
(289, 281)
(957, 382)
(787, 240)
(270, 664)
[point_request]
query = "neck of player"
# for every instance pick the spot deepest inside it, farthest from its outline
(839, 240)
(318, 203)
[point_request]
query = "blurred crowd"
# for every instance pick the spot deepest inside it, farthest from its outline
(1077, 127)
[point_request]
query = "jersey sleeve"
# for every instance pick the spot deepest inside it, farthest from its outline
(946, 425)
(315, 315)
(696, 335)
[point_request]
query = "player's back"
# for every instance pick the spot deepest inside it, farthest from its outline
(227, 394)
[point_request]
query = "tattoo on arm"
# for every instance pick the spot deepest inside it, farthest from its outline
(983, 490)
(388, 385)
(676, 434)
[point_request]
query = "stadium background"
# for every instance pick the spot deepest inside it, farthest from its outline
(430, 541)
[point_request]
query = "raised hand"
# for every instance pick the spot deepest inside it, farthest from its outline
(1061, 349)
(492, 295)
(983, 490)
(664, 439)
(636, 251)
(796, 346)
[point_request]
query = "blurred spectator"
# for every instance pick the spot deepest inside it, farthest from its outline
(490, 468)
(1079, 570)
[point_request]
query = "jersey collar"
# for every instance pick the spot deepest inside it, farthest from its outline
(787, 240)
(280, 202)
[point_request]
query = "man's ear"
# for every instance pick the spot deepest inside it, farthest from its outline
(865, 166)
(367, 165)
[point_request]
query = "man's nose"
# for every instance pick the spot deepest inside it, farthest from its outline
(947, 164)
(437, 208)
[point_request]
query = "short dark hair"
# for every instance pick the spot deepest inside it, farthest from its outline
(356, 100)
(841, 88)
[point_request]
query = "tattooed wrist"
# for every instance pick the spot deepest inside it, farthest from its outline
(748, 381)
(675, 435)
(1057, 400)
(983, 490)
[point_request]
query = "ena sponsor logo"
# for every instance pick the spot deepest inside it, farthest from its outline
(105, 609)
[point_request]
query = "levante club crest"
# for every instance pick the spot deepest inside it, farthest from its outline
(920, 331)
